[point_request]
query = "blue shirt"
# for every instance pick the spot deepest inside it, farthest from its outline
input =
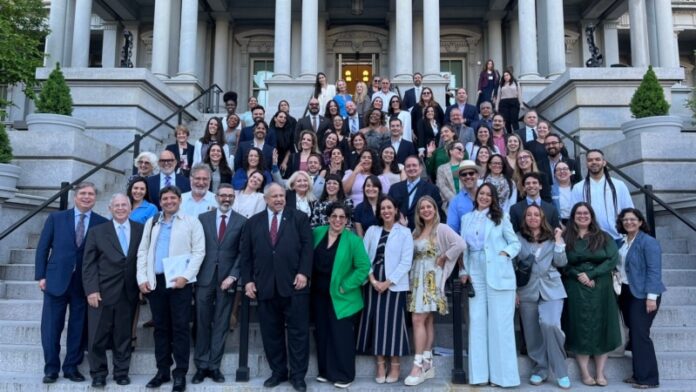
(162, 245)
(459, 205)
(143, 212)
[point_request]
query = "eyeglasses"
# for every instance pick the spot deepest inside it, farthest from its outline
(562, 169)
(167, 160)
(551, 143)
(495, 163)
(144, 163)
(313, 104)
(338, 217)
(460, 149)
(524, 158)
(230, 196)
(467, 174)
(425, 93)
(627, 220)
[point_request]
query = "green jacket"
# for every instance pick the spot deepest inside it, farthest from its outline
(350, 269)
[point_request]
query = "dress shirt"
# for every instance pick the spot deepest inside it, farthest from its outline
(529, 134)
(190, 206)
(126, 229)
(218, 219)
(270, 217)
(353, 124)
(162, 245)
(536, 201)
(602, 201)
(460, 205)
(86, 221)
(475, 235)
(396, 144)
(410, 185)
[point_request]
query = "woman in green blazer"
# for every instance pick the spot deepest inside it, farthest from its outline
(341, 266)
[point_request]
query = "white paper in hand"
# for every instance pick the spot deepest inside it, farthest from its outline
(174, 267)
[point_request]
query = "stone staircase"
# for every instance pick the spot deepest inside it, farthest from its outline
(21, 357)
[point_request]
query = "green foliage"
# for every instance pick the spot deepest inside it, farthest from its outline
(649, 99)
(691, 104)
(5, 148)
(23, 28)
(55, 95)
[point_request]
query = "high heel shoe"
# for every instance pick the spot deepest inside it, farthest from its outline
(428, 366)
(415, 380)
(381, 379)
(392, 366)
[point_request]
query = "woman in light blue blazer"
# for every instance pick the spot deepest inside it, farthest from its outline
(541, 299)
(491, 245)
(640, 267)
(382, 330)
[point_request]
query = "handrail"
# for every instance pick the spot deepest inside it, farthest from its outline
(645, 189)
(69, 187)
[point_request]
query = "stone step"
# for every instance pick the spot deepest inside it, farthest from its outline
(679, 277)
(679, 296)
(33, 240)
(23, 272)
(29, 360)
(676, 316)
(22, 256)
(678, 261)
(22, 289)
(674, 245)
(11, 383)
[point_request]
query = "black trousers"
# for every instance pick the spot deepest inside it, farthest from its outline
(335, 340)
(639, 321)
(509, 108)
(274, 315)
(110, 325)
(171, 313)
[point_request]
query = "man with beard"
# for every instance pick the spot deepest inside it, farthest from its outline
(248, 133)
(218, 274)
(463, 202)
(554, 154)
(407, 192)
(353, 122)
(313, 120)
(412, 95)
(486, 116)
(606, 195)
(260, 141)
(199, 199)
(498, 134)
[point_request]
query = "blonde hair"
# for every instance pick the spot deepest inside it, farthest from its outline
(360, 98)
(420, 223)
(517, 174)
(290, 184)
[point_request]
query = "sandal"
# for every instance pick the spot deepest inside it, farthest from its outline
(412, 380)
(381, 379)
(429, 368)
(392, 366)
(589, 381)
(645, 386)
(602, 382)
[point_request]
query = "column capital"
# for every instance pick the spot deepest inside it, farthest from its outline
(610, 24)
(109, 25)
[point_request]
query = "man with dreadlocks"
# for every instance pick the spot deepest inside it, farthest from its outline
(607, 196)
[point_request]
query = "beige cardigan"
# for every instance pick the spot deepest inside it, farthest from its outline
(454, 247)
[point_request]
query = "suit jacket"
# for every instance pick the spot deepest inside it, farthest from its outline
(106, 269)
(57, 255)
(273, 268)
(153, 187)
(244, 148)
(445, 183)
(643, 266)
(545, 280)
(406, 149)
(410, 98)
(399, 192)
(500, 275)
(398, 253)
(221, 254)
(517, 214)
(247, 134)
(470, 113)
(346, 125)
(174, 148)
(306, 123)
(576, 172)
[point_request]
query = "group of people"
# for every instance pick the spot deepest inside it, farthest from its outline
(354, 228)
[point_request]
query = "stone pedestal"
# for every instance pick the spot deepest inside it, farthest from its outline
(297, 92)
(9, 175)
(658, 126)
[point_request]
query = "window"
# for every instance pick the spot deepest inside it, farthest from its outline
(259, 65)
(456, 69)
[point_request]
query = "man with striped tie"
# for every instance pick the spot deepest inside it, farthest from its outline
(109, 279)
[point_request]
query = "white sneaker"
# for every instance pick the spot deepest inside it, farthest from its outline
(342, 385)
(322, 379)
(412, 381)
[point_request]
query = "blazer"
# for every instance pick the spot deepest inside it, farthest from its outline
(174, 148)
(399, 192)
(351, 267)
(517, 214)
(445, 183)
(643, 265)
(247, 134)
(106, 269)
(305, 123)
(223, 255)
(454, 246)
(406, 149)
(425, 134)
(470, 114)
(153, 187)
(500, 274)
(244, 147)
(273, 268)
(398, 254)
(576, 173)
(186, 238)
(410, 99)
(57, 256)
(545, 279)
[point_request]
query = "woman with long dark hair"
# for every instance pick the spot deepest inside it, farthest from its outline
(220, 169)
(141, 209)
(395, 110)
(369, 164)
(323, 91)
(488, 83)
(508, 100)
(391, 169)
(332, 193)
(284, 106)
(591, 320)
(285, 133)
(641, 291)
(249, 201)
(491, 245)
(428, 128)
(499, 174)
(213, 135)
(252, 162)
(483, 138)
(365, 213)
(417, 113)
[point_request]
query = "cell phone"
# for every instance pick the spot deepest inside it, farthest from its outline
(469, 289)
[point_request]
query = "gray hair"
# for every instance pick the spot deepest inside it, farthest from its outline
(85, 184)
(223, 185)
(116, 195)
(150, 156)
(267, 191)
(201, 166)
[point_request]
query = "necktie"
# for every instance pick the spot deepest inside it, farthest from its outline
(167, 180)
(223, 227)
(314, 123)
(411, 193)
(534, 135)
(80, 230)
(274, 229)
(353, 127)
(123, 239)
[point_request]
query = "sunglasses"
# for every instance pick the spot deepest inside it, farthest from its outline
(467, 174)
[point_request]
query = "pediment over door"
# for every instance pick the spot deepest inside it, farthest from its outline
(352, 39)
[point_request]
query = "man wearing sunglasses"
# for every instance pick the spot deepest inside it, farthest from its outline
(166, 177)
(463, 202)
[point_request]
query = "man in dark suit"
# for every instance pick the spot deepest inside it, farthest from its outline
(108, 275)
(468, 111)
(532, 188)
(215, 284)
(58, 268)
(486, 116)
(554, 148)
(182, 150)
(276, 262)
(166, 177)
(313, 121)
(528, 132)
(259, 141)
(403, 147)
(412, 95)
(407, 192)
(247, 133)
(353, 122)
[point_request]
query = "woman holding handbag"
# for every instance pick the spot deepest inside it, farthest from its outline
(541, 298)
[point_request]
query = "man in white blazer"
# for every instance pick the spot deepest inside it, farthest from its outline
(166, 235)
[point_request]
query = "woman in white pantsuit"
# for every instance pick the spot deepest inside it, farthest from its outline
(491, 244)
(541, 299)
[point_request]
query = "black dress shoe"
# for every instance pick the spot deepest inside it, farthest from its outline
(274, 381)
(122, 380)
(50, 378)
(179, 384)
(158, 380)
(99, 382)
(299, 385)
(216, 375)
(75, 376)
(200, 375)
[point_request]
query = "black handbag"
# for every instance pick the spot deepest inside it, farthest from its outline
(523, 269)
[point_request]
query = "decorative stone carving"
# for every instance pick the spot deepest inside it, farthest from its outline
(146, 39)
(351, 39)
(571, 40)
